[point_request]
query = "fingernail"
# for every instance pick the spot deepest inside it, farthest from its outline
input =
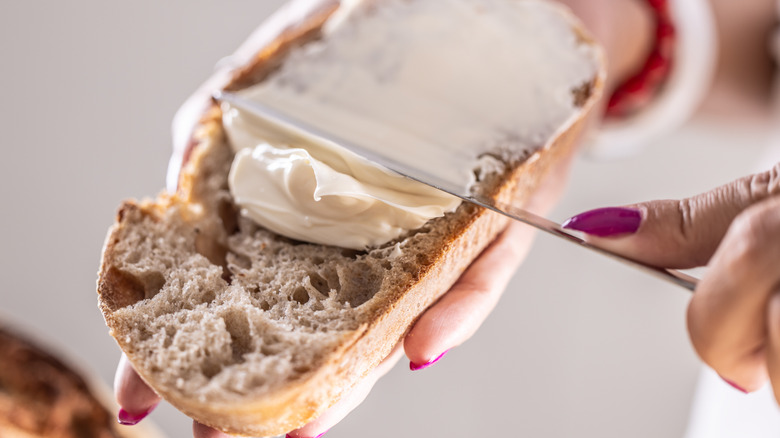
(414, 367)
(735, 386)
(318, 436)
(606, 222)
(127, 419)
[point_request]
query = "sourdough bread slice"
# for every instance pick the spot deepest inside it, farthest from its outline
(253, 333)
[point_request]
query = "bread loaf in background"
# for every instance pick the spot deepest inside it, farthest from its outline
(255, 334)
(42, 396)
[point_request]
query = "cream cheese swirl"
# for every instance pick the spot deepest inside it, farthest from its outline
(324, 194)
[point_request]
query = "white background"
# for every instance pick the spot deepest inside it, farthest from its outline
(579, 346)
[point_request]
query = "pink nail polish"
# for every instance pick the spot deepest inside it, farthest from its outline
(414, 367)
(735, 386)
(318, 436)
(606, 222)
(127, 419)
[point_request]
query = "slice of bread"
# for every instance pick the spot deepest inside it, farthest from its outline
(41, 396)
(253, 333)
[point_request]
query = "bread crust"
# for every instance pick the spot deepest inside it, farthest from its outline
(389, 317)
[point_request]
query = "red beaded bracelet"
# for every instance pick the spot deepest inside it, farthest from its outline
(638, 89)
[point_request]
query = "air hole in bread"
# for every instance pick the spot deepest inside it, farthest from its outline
(365, 282)
(265, 305)
(203, 296)
(125, 288)
(228, 214)
(351, 253)
(215, 252)
(237, 325)
(153, 282)
(301, 369)
(210, 369)
(300, 295)
(319, 283)
(238, 261)
(333, 277)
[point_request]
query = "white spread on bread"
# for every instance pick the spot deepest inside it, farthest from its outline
(442, 81)
(330, 197)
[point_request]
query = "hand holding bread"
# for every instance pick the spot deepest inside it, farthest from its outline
(251, 333)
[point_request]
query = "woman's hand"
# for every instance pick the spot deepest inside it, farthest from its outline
(734, 316)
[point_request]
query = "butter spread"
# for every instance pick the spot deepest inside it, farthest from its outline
(434, 83)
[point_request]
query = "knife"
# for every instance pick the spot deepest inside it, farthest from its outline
(287, 124)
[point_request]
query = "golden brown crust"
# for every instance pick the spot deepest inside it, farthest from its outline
(389, 317)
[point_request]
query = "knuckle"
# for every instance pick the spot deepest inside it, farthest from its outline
(765, 184)
(691, 234)
(685, 213)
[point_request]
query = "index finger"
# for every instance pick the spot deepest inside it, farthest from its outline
(136, 399)
(672, 233)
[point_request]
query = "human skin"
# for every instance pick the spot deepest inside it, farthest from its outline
(625, 30)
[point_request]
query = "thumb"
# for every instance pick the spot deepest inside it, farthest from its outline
(675, 233)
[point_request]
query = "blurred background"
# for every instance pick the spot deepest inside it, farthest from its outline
(579, 345)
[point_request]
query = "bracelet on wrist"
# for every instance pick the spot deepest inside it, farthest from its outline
(638, 89)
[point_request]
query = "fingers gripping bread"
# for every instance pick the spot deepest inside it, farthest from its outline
(255, 334)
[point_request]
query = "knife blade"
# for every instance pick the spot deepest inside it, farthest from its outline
(289, 125)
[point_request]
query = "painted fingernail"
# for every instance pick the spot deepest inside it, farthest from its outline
(414, 367)
(318, 436)
(127, 419)
(606, 222)
(735, 386)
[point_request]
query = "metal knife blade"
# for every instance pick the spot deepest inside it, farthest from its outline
(289, 125)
